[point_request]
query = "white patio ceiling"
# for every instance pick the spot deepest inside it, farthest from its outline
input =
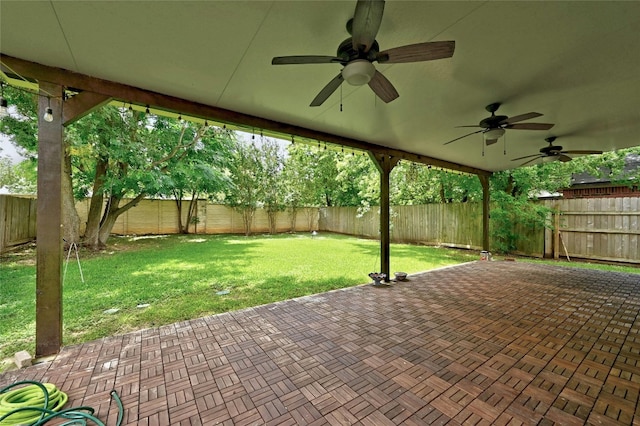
(578, 63)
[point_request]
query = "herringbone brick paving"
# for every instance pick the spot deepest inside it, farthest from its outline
(481, 343)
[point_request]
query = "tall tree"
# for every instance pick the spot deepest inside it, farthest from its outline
(133, 160)
(272, 181)
(246, 169)
(198, 171)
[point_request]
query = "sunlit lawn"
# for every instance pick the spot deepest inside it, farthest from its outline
(184, 277)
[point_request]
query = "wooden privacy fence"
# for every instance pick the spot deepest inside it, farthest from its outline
(591, 228)
(452, 225)
(161, 217)
(596, 228)
(17, 221)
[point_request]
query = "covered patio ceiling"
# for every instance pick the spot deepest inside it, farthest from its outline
(575, 62)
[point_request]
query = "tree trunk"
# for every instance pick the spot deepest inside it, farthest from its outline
(247, 218)
(95, 205)
(272, 216)
(178, 198)
(70, 218)
(111, 214)
(192, 213)
(293, 214)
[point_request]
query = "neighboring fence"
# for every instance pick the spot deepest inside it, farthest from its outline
(161, 217)
(605, 229)
(452, 225)
(17, 221)
(597, 228)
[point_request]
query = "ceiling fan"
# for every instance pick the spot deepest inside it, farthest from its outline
(493, 127)
(357, 54)
(554, 152)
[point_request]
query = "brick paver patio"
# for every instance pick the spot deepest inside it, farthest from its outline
(480, 343)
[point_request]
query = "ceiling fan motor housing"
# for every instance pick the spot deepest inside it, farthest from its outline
(347, 53)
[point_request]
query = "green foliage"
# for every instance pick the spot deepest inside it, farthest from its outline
(19, 178)
(246, 171)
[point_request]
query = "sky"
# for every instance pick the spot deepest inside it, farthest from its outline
(7, 149)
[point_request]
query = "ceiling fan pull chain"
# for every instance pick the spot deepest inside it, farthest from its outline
(504, 141)
(340, 98)
(482, 139)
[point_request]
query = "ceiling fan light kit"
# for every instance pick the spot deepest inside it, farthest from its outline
(494, 134)
(358, 72)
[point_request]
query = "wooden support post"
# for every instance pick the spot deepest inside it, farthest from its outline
(484, 180)
(385, 164)
(556, 234)
(49, 223)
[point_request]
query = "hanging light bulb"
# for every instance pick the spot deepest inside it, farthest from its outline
(4, 105)
(48, 113)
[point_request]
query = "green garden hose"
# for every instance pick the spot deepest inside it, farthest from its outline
(36, 404)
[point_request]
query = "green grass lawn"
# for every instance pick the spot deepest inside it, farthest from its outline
(180, 278)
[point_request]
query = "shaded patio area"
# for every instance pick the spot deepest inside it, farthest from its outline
(480, 343)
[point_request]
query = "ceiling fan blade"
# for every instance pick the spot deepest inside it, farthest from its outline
(582, 151)
(564, 158)
(418, 52)
(366, 22)
(521, 117)
(304, 59)
(526, 156)
(468, 134)
(327, 90)
(532, 160)
(529, 126)
(383, 87)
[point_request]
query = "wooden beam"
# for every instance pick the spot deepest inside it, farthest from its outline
(49, 254)
(82, 104)
(130, 94)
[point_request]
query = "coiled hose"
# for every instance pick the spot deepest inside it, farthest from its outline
(36, 404)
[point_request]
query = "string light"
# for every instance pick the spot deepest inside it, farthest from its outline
(293, 142)
(147, 110)
(206, 123)
(48, 113)
(130, 107)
